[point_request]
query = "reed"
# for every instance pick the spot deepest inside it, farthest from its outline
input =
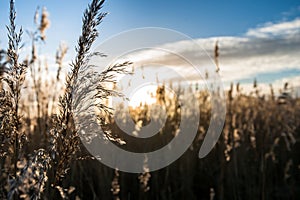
(41, 156)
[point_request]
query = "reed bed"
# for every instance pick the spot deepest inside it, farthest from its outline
(42, 157)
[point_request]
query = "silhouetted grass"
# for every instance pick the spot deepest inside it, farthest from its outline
(41, 156)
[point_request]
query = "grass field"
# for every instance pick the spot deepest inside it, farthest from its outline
(42, 156)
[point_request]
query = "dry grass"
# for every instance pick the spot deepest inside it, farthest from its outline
(41, 156)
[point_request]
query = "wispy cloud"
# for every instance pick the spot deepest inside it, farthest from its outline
(293, 12)
(284, 29)
(271, 48)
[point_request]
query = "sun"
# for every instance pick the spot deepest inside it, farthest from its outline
(143, 95)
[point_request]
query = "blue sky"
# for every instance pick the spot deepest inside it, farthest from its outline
(197, 19)
(194, 18)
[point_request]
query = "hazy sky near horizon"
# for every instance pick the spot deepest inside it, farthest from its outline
(260, 26)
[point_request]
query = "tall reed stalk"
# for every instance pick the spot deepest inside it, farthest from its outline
(15, 79)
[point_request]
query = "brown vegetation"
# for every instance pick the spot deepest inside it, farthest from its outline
(41, 156)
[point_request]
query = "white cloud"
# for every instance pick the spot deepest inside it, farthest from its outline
(279, 29)
(266, 49)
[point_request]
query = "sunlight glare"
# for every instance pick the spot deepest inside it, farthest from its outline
(143, 95)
